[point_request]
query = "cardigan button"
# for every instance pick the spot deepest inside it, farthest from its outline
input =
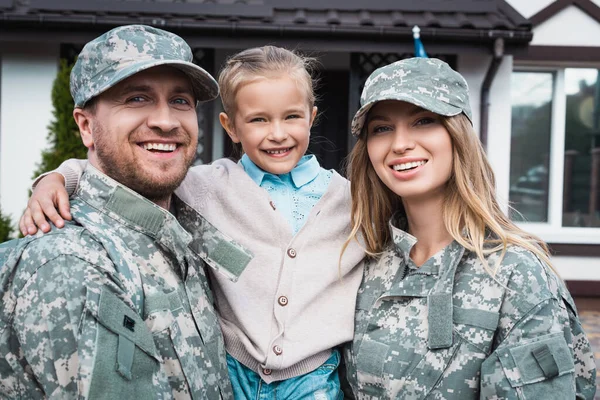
(283, 301)
(291, 252)
(277, 350)
(267, 371)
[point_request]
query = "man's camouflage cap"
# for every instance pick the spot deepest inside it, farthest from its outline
(127, 50)
(425, 82)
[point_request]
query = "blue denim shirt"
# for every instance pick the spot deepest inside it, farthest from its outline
(295, 193)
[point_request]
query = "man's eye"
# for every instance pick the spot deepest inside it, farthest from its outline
(181, 101)
(136, 99)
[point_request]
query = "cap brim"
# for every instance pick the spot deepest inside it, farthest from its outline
(439, 107)
(205, 87)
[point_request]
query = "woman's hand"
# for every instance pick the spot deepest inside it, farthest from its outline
(49, 201)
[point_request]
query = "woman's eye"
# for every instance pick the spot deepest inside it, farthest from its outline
(425, 121)
(381, 129)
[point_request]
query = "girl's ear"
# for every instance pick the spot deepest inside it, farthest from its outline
(313, 115)
(84, 122)
(227, 124)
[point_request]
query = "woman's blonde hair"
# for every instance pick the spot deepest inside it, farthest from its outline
(471, 213)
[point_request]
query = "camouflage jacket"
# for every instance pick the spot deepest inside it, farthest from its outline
(116, 304)
(448, 330)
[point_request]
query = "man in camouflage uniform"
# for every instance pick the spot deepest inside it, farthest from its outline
(117, 304)
(448, 329)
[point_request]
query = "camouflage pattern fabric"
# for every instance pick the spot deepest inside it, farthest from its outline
(449, 330)
(425, 82)
(115, 305)
(127, 50)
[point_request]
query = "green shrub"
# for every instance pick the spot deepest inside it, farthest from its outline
(6, 228)
(63, 134)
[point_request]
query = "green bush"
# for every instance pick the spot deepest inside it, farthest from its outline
(6, 228)
(63, 134)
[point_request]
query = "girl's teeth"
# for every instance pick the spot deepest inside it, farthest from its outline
(277, 151)
(408, 165)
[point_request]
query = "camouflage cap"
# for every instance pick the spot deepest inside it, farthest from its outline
(127, 50)
(425, 82)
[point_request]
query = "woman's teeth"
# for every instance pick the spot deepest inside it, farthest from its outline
(408, 165)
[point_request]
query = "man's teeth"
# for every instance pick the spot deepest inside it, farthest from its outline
(160, 146)
(408, 165)
(277, 151)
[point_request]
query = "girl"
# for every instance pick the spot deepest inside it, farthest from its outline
(457, 302)
(285, 312)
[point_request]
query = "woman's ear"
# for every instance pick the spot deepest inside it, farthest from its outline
(83, 119)
(227, 124)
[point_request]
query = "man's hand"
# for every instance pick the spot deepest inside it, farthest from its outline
(49, 201)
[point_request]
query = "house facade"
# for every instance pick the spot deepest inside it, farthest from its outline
(500, 47)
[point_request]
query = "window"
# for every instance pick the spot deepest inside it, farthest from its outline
(555, 153)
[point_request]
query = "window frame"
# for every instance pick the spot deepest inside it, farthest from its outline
(553, 231)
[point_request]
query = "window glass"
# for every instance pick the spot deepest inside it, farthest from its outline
(581, 200)
(531, 97)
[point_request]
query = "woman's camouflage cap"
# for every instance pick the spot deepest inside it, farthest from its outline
(425, 82)
(127, 50)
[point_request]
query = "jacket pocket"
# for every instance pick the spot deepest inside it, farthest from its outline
(540, 368)
(126, 359)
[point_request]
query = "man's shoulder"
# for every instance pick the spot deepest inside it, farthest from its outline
(25, 256)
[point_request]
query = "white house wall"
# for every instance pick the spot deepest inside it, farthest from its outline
(26, 76)
(577, 268)
(528, 8)
(570, 27)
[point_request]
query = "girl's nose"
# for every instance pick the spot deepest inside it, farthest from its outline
(278, 132)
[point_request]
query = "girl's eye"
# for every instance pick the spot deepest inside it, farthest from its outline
(258, 119)
(293, 116)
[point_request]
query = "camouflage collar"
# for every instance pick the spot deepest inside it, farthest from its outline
(129, 208)
(404, 242)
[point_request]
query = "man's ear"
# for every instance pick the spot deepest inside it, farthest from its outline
(84, 122)
(313, 115)
(227, 124)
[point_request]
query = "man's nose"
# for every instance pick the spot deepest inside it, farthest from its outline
(163, 117)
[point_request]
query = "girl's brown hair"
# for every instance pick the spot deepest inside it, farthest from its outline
(471, 213)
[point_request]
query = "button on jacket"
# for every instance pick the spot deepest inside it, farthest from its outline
(116, 304)
(448, 330)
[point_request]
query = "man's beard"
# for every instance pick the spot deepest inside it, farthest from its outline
(127, 172)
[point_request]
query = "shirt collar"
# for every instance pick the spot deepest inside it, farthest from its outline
(307, 169)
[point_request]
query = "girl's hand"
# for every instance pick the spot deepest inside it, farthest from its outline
(48, 197)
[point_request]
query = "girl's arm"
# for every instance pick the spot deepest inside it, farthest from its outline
(50, 198)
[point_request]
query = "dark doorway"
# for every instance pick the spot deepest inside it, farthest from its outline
(329, 136)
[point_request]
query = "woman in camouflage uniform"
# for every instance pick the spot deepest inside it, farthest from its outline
(456, 302)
